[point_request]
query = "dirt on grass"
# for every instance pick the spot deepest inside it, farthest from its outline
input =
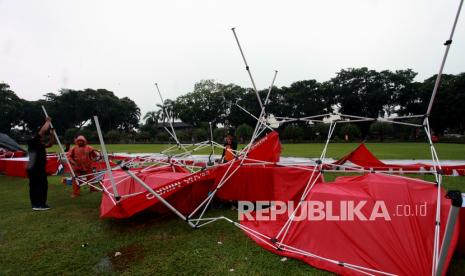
(124, 257)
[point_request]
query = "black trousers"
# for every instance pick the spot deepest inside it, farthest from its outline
(38, 188)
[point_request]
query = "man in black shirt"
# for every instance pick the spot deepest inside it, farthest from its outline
(38, 184)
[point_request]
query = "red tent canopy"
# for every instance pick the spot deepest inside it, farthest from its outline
(362, 157)
(402, 245)
(179, 187)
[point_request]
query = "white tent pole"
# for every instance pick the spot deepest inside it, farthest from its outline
(169, 118)
(250, 114)
(247, 149)
(271, 87)
(259, 121)
(252, 139)
(444, 58)
(456, 198)
(438, 178)
(160, 198)
(247, 68)
(105, 157)
(61, 146)
(211, 144)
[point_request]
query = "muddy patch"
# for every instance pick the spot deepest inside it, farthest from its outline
(125, 256)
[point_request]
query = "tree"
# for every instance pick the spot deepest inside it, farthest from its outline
(218, 134)
(244, 132)
(448, 108)
(113, 136)
(293, 133)
(381, 129)
(32, 116)
(360, 91)
(10, 108)
(204, 104)
(303, 98)
(75, 108)
(351, 130)
(71, 134)
(200, 134)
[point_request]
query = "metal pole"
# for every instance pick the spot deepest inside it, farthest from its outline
(169, 119)
(210, 163)
(271, 87)
(161, 199)
(105, 157)
(61, 146)
(446, 52)
(247, 68)
(457, 201)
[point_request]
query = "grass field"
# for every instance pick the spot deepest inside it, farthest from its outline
(51, 242)
(335, 150)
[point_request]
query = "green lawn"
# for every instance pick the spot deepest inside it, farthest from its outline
(51, 242)
(335, 150)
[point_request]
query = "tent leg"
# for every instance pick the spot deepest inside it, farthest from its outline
(456, 198)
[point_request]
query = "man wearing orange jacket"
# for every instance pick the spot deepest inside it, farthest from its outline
(81, 157)
(230, 146)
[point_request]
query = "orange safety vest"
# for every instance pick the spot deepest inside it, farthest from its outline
(228, 153)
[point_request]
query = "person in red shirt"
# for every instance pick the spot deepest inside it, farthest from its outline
(81, 157)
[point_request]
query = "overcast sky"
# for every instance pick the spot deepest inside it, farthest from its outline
(126, 46)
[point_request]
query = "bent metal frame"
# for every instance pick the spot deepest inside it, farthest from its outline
(196, 218)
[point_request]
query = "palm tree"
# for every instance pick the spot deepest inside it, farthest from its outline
(152, 118)
(167, 109)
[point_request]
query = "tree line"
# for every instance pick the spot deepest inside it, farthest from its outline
(354, 91)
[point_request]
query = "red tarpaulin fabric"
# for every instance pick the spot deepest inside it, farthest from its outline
(267, 148)
(97, 165)
(403, 245)
(254, 183)
(188, 190)
(2, 165)
(13, 154)
(180, 188)
(17, 166)
(461, 244)
(362, 157)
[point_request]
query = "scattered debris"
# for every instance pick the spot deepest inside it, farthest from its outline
(220, 243)
(117, 253)
(283, 259)
(84, 244)
(231, 270)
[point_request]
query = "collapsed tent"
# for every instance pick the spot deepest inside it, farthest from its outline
(178, 186)
(7, 143)
(255, 182)
(399, 242)
(363, 158)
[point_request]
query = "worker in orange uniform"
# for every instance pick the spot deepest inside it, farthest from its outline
(81, 157)
(230, 146)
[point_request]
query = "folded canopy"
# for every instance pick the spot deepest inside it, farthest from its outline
(364, 158)
(8, 143)
(402, 245)
(185, 190)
